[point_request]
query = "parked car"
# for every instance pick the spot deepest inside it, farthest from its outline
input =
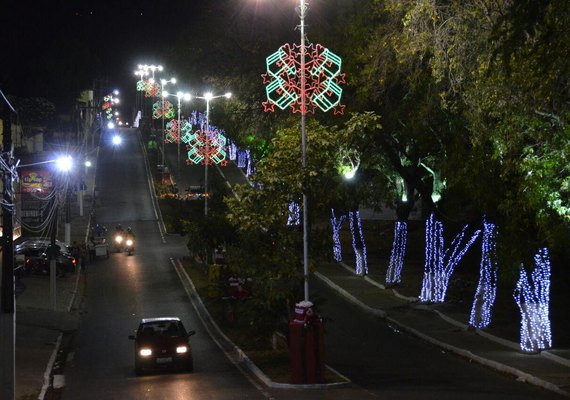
(32, 254)
(162, 343)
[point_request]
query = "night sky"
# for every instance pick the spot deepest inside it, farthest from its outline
(54, 49)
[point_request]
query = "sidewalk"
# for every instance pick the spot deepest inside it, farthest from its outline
(39, 328)
(549, 369)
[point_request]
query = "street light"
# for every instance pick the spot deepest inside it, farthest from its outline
(140, 86)
(180, 96)
(64, 165)
(208, 97)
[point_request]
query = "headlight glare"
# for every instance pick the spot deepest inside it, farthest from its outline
(145, 352)
(181, 349)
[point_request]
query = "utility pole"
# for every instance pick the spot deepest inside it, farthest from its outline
(7, 305)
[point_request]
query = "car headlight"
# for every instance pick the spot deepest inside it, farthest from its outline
(145, 352)
(129, 242)
(118, 238)
(181, 349)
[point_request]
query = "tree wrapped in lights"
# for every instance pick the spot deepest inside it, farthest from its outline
(321, 74)
(440, 261)
(336, 224)
(358, 243)
(394, 272)
(487, 287)
(294, 218)
(232, 148)
(158, 112)
(206, 148)
(533, 299)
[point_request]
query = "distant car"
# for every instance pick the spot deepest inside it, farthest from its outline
(162, 343)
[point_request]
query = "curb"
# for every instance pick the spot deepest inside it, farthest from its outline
(521, 375)
(236, 355)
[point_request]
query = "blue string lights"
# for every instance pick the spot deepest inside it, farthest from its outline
(487, 287)
(358, 244)
(294, 214)
(394, 272)
(336, 224)
(440, 264)
(533, 300)
(241, 159)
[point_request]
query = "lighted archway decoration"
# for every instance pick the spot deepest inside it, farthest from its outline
(168, 111)
(206, 148)
(322, 80)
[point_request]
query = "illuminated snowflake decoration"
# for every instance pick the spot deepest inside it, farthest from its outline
(441, 261)
(141, 86)
(533, 299)
(108, 105)
(157, 112)
(152, 89)
(322, 80)
(172, 130)
(394, 272)
(487, 287)
(206, 148)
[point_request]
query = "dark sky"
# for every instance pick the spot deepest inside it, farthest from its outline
(47, 45)
(53, 49)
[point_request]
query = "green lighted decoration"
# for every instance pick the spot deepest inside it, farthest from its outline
(141, 86)
(322, 80)
(186, 133)
(152, 89)
(206, 148)
(108, 105)
(172, 130)
(157, 111)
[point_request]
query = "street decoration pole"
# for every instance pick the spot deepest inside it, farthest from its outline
(207, 147)
(289, 85)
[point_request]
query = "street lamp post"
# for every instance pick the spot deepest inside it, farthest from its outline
(163, 83)
(180, 96)
(186, 97)
(208, 97)
(142, 73)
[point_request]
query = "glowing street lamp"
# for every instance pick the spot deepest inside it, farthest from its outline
(208, 96)
(63, 164)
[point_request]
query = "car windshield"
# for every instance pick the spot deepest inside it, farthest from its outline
(161, 328)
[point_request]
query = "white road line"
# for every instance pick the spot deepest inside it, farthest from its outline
(49, 367)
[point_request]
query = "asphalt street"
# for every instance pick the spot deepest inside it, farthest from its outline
(123, 289)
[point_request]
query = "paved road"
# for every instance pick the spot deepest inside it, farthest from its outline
(122, 289)
(383, 362)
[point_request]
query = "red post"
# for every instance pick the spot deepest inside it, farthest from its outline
(306, 346)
